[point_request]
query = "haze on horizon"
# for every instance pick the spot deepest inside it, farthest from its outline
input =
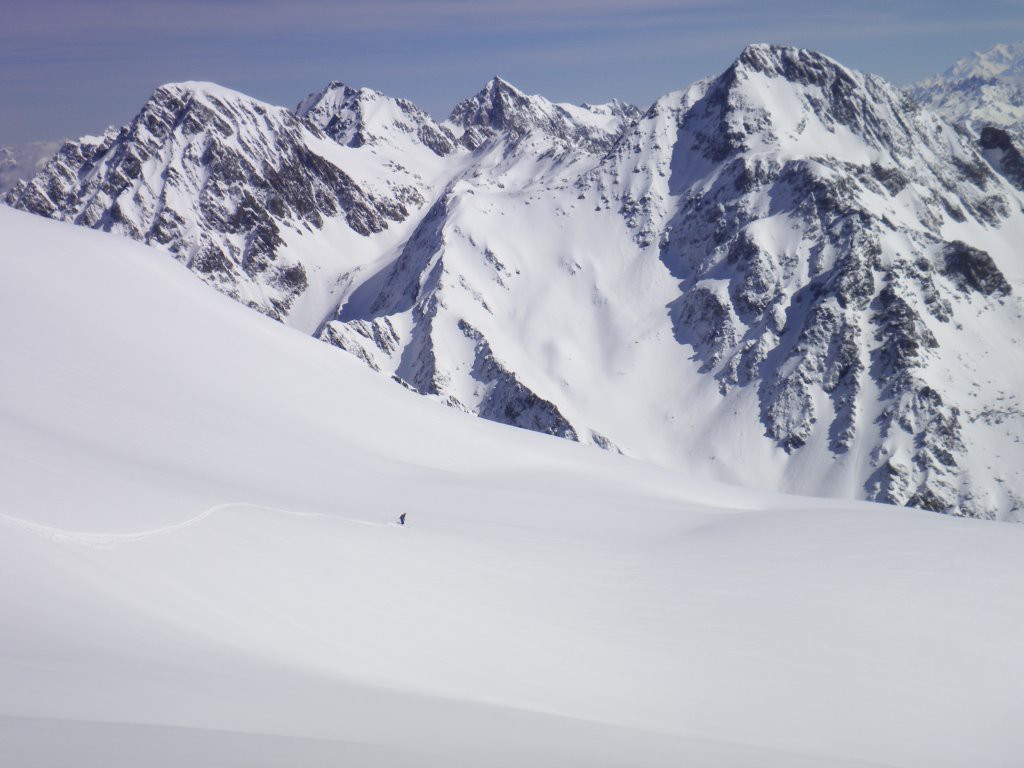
(72, 67)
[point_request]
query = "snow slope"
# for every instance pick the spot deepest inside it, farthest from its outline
(981, 89)
(984, 93)
(763, 281)
(200, 566)
(788, 276)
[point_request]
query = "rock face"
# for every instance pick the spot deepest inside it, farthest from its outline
(1004, 150)
(502, 110)
(217, 179)
(805, 209)
(789, 276)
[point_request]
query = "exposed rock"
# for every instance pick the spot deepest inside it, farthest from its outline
(973, 270)
(214, 177)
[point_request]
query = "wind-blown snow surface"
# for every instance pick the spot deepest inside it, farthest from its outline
(200, 566)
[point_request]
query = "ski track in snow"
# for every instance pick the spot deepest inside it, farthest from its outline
(110, 540)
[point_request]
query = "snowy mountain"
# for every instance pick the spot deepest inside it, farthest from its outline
(805, 234)
(197, 509)
(23, 161)
(358, 117)
(979, 90)
(230, 186)
(500, 110)
(984, 93)
(788, 276)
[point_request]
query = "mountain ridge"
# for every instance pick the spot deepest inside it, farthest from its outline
(980, 90)
(756, 278)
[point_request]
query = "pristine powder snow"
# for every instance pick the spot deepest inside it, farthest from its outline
(200, 566)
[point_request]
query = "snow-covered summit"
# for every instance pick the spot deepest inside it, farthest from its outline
(789, 276)
(814, 235)
(223, 182)
(979, 90)
(501, 109)
(816, 219)
(1004, 61)
(355, 117)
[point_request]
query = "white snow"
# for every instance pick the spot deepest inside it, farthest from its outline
(985, 88)
(200, 567)
(557, 248)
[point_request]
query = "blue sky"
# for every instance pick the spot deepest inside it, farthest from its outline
(69, 67)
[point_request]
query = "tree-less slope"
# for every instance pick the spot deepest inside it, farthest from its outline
(200, 567)
(789, 276)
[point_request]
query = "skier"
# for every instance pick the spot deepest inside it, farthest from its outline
(401, 519)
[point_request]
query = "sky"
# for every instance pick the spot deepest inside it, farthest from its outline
(72, 67)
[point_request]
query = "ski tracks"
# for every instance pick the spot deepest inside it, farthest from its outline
(110, 540)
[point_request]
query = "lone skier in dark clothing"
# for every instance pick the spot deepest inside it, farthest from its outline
(401, 519)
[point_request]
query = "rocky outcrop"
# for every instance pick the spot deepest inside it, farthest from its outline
(214, 178)
(1004, 149)
(352, 117)
(796, 280)
(502, 110)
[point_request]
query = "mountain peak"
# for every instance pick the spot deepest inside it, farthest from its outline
(788, 62)
(332, 95)
(357, 116)
(498, 91)
(1003, 62)
(195, 88)
(498, 84)
(497, 107)
(979, 90)
(500, 108)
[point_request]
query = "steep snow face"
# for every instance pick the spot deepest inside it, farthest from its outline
(224, 183)
(819, 223)
(23, 161)
(979, 90)
(197, 537)
(789, 276)
(790, 269)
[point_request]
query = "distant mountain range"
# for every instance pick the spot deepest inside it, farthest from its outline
(984, 93)
(980, 90)
(790, 276)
